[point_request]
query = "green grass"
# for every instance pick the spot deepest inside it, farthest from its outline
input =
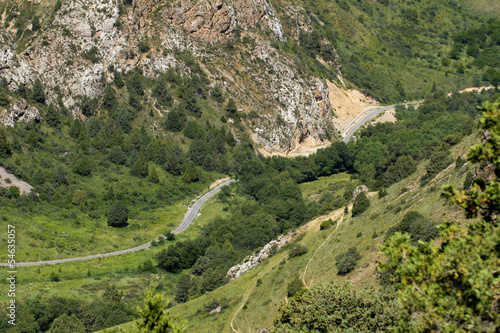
(85, 279)
(488, 8)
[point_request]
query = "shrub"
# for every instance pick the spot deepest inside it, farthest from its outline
(117, 156)
(79, 198)
(382, 193)
(83, 165)
(117, 214)
(338, 307)
(54, 277)
(295, 287)
(361, 203)
(417, 226)
(297, 251)
(347, 261)
(325, 224)
(92, 55)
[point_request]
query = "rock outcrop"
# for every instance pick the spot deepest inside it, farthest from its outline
(253, 260)
(19, 112)
(358, 190)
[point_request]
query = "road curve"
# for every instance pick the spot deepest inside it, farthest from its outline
(189, 217)
(369, 114)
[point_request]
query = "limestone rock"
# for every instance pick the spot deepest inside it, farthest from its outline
(358, 190)
(19, 112)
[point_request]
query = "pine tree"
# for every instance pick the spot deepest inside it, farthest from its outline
(52, 116)
(361, 203)
(231, 108)
(38, 92)
(117, 214)
(154, 316)
(5, 147)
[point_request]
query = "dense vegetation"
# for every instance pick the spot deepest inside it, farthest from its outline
(452, 285)
(59, 314)
(338, 308)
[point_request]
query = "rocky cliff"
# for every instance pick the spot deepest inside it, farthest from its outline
(81, 46)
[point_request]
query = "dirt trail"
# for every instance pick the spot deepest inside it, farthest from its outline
(24, 187)
(338, 214)
(246, 296)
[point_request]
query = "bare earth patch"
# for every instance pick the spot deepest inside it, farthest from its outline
(347, 104)
(218, 181)
(24, 187)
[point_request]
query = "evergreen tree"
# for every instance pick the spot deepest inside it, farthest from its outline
(140, 167)
(398, 86)
(231, 108)
(174, 121)
(109, 100)
(361, 203)
(38, 92)
(5, 147)
(117, 214)
(118, 81)
(83, 165)
(52, 116)
(192, 174)
(154, 317)
(4, 99)
(117, 156)
(216, 94)
(153, 175)
(35, 24)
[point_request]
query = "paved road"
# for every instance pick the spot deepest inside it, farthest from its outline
(191, 214)
(189, 217)
(366, 116)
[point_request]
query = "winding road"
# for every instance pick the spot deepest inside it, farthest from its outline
(365, 116)
(188, 219)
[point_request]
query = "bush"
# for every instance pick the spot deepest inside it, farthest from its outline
(79, 198)
(117, 156)
(297, 251)
(117, 214)
(361, 203)
(295, 287)
(338, 308)
(417, 226)
(54, 277)
(382, 193)
(347, 261)
(83, 165)
(92, 55)
(325, 224)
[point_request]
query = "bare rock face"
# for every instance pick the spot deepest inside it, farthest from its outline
(358, 190)
(19, 112)
(216, 20)
(212, 21)
(253, 260)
